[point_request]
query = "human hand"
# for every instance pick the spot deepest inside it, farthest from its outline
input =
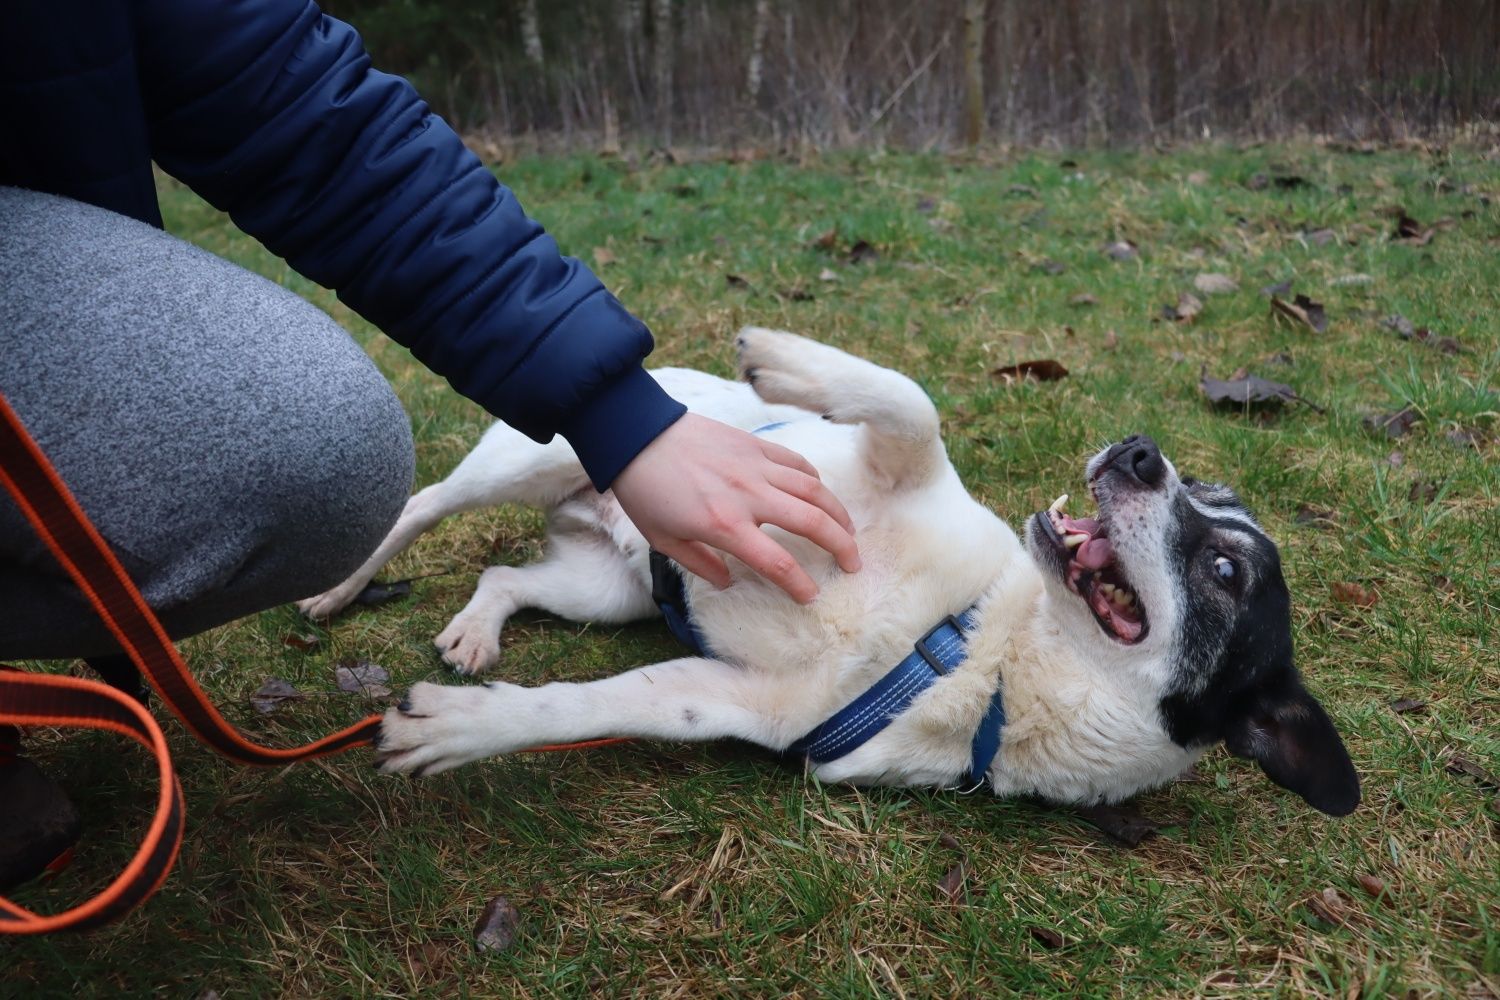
(702, 483)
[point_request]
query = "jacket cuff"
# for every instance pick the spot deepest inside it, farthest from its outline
(613, 425)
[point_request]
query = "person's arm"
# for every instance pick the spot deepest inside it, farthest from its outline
(271, 111)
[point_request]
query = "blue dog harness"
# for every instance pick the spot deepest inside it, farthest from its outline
(935, 655)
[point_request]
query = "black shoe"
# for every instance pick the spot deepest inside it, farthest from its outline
(38, 823)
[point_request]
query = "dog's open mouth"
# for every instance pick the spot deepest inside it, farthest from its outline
(1093, 573)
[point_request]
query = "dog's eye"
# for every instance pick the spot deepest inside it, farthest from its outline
(1225, 568)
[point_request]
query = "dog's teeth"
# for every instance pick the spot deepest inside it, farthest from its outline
(1073, 541)
(1057, 504)
(1107, 589)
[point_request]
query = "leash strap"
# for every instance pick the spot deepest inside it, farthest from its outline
(935, 655)
(49, 700)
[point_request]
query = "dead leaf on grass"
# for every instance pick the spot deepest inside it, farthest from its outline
(496, 929)
(376, 592)
(273, 694)
(1280, 288)
(362, 677)
(796, 293)
(603, 256)
(1405, 705)
(1376, 888)
(1083, 299)
(307, 642)
(1047, 938)
(1411, 232)
(1049, 266)
(862, 251)
(1249, 391)
(1329, 906)
(1121, 250)
(951, 888)
(1459, 764)
(828, 274)
(1316, 516)
(1111, 339)
(1215, 284)
(1301, 310)
(1121, 823)
(736, 281)
(1319, 237)
(1422, 491)
(1349, 592)
(1392, 425)
(827, 241)
(1041, 370)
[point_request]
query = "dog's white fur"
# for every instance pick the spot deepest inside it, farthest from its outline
(1083, 718)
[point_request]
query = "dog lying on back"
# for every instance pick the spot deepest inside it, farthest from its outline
(1122, 645)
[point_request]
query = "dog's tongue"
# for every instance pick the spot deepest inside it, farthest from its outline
(1087, 525)
(1096, 553)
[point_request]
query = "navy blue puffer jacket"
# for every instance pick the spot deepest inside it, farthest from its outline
(270, 110)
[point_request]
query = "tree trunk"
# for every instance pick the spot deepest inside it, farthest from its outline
(753, 76)
(973, 71)
(661, 26)
(531, 33)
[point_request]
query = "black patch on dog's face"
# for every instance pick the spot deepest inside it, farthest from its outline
(1234, 674)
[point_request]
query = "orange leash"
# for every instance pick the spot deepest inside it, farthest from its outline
(50, 700)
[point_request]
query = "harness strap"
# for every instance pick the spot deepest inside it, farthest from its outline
(935, 655)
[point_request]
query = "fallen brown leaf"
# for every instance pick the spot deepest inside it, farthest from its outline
(1392, 425)
(951, 887)
(1316, 516)
(1249, 391)
(1329, 907)
(362, 677)
(1047, 937)
(603, 256)
(1349, 592)
(1376, 888)
(1459, 764)
(1042, 370)
(496, 929)
(307, 643)
(736, 281)
(273, 694)
(1120, 250)
(1187, 309)
(1404, 705)
(1083, 299)
(862, 251)
(1121, 823)
(1301, 310)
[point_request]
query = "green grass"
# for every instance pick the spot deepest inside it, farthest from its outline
(666, 870)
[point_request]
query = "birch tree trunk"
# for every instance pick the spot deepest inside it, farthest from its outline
(531, 33)
(973, 71)
(661, 26)
(753, 75)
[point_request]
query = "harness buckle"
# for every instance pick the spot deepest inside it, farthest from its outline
(937, 665)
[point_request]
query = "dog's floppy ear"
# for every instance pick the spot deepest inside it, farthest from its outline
(1289, 735)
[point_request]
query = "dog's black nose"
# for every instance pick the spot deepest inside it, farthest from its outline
(1139, 459)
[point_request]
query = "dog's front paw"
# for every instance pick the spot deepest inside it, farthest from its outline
(328, 603)
(435, 727)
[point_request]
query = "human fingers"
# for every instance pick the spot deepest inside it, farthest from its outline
(760, 552)
(698, 559)
(812, 490)
(787, 457)
(801, 515)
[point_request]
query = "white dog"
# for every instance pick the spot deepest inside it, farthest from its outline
(1103, 655)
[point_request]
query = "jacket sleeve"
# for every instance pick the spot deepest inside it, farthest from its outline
(271, 111)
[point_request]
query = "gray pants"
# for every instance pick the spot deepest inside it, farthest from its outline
(235, 447)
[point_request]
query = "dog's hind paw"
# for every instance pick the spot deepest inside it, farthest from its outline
(469, 647)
